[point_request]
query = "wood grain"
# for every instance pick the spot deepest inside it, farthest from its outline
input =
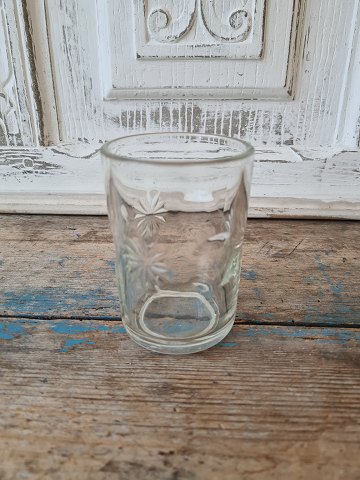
(69, 73)
(20, 111)
(287, 182)
(294, 272)
(94, 52)
(80, 400)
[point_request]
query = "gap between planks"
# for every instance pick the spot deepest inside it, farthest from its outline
(238, 321)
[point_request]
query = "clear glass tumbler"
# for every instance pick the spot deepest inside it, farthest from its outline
(178, 206)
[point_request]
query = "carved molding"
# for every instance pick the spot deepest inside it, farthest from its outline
(199, 28)
(19, 116)
(235, 27)
(228, 25)
(164, 28)
(9, 120)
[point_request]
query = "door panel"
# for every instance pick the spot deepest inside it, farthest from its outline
(291, 94)
(282, 74)
(196, 52)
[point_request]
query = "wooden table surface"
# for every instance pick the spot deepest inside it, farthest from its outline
(279, 398)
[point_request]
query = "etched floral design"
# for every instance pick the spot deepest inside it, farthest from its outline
(151, 204)
(148, 225)
(149, 218)
(144, 266)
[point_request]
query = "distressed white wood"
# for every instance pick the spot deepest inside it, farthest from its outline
(19, 119)
(168, 71)
(348, 127)
(199, 28)
(297, 100)
(286, 182)
(43, 70)
(103, 90)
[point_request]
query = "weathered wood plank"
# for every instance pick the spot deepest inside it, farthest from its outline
(294, 272)
(80, 400)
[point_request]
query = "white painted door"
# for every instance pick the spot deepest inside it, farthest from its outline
(282, 74)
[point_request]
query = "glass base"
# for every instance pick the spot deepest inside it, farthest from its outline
(179, 347)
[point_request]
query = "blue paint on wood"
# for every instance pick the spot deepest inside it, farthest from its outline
(335, 288)
(10, 330)
(75, 341)
(346, 309)
(325, 334)
(257, 317)
(340, 313)
(344, 335)
(258, 293)
(265, 331)
(40, 302)
(111, 264)
(71, 328)
(310, 280)
(227, 344)
(332, 318)
(119, 329)
(67, 328)
(249, 275)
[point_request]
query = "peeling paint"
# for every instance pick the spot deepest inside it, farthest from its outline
(45, 301)
(258, 292)
(10, 330)
(227, 344)
(338, 314)
(111, 264)
(249, 275)
(336, 288)
(16, 327)
(25, 163)
(322, 335)
(71, 328)
(69, 344)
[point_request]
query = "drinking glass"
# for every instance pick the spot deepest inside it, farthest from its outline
(178, 206)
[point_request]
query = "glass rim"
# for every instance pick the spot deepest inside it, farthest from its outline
(249, 149)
